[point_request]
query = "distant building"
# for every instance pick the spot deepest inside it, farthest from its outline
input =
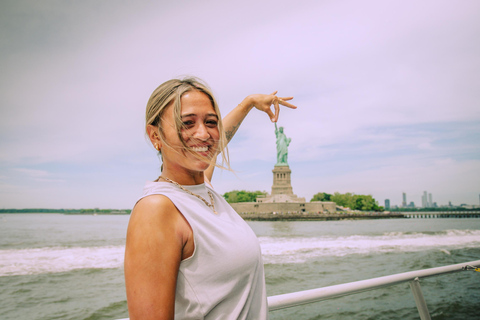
(411, 204)
(424, 199)
(387, 203)
(404, 202)
(427, 201)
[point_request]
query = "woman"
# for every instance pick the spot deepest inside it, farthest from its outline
(188, 254)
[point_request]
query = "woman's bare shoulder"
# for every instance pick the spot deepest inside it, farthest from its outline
(153, 202)
(156, 211)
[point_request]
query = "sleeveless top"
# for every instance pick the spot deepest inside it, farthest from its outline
(224, 278)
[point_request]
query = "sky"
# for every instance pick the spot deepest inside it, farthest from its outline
(388, 95)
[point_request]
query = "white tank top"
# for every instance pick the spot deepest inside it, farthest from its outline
(224, 278)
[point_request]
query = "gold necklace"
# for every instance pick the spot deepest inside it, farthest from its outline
(210, 205)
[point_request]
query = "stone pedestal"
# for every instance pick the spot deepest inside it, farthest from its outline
(282, 191)
(282, 183)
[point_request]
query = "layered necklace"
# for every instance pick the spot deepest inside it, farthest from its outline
(211, 205)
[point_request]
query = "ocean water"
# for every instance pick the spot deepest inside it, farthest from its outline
(70, 266)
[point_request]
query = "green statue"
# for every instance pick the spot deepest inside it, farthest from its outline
(282, 146)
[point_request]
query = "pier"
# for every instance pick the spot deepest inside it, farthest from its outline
(442, 214)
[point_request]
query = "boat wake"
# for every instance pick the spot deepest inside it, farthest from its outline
(275, 250)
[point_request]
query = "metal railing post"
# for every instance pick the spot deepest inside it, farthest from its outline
(419, 299)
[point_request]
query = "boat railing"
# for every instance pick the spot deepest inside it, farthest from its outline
(315, 295)
(413, 278)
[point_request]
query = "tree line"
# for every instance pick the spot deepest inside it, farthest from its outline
(242, 196)
(348, 200)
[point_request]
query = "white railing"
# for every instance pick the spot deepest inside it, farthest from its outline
(315, 295)
(302, 297)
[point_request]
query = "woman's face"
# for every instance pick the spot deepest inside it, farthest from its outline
(200, 133)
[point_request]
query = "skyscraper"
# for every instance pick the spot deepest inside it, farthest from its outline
(404, 202)
(387, 203)
(430, 202)
(424, 199)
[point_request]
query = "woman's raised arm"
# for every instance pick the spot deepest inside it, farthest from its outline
(262, 102)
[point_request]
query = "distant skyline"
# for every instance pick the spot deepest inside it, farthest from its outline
(387, 93)
(420, 204)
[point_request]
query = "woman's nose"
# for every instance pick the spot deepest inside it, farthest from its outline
(201, 133)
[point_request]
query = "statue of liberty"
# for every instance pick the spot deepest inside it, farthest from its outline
(282, 146)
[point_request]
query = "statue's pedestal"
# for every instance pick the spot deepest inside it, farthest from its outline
(282, 186)
(282, 183)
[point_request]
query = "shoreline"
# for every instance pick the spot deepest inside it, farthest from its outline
(317, 216)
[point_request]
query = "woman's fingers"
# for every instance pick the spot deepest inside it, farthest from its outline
(283, 101)
(264, 103)
(286, 104)
(271, 115)
(277, 110)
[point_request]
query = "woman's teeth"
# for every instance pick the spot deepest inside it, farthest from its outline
(200, 149)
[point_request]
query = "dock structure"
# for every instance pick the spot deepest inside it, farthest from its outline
(442, 214)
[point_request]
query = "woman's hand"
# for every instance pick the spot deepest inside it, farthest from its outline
(263, 102)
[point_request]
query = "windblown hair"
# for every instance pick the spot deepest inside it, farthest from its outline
(170, 93)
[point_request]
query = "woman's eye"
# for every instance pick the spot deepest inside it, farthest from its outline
(212, 123)
(188, 123)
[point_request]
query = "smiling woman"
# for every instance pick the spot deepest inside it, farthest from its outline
(196, 145)
(188, 254)
(183, 118)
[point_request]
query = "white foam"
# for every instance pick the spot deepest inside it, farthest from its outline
(275, 250)
(299, 250)
(51, 260)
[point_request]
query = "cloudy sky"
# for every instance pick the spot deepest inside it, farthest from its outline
(388, 95)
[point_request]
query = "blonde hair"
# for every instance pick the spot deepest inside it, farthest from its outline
(171, 92)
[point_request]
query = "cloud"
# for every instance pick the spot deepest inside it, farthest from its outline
(32, 172)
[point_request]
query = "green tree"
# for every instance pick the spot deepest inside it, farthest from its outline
(242, 196)
(321, 196)
(356, 201)
(347, 200)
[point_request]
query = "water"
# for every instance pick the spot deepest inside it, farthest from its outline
(70, 266)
